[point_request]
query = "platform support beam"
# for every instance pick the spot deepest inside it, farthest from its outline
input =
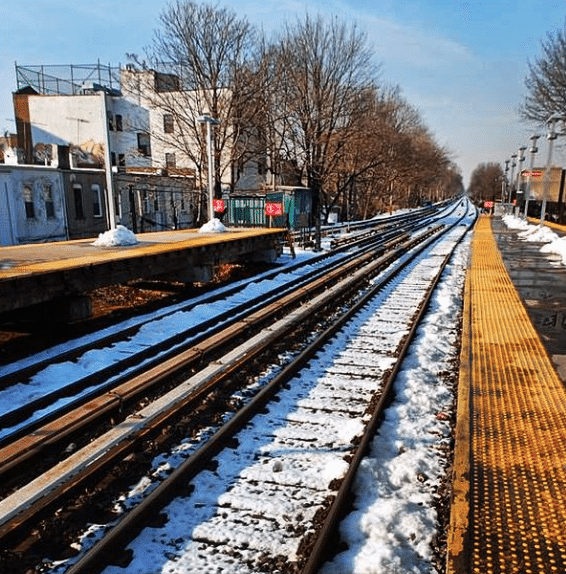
(265, 256)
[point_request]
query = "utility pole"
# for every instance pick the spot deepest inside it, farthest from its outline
(110, 211)
(209, 121)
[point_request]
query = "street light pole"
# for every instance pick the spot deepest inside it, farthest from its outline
(532, 151)
(504, 188)
(512, 178)
(551, 136)
(209, 121)
(520, 160)
(110, 210)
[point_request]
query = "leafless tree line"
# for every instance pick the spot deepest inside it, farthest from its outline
(307, 106)
(486, 183)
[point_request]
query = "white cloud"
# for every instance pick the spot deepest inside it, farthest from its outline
(398, 44)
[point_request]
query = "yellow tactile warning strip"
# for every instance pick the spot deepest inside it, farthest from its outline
(509, 502)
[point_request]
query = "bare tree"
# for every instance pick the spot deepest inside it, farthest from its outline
(405, 165)
(200, 63)
(546, 80)
(485, 183)
(321, 67)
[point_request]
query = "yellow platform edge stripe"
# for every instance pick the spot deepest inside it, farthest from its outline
(458, 531)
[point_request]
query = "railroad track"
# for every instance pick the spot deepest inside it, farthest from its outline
(236, 323)
(392, 339)
(363, 235)
(117, 353)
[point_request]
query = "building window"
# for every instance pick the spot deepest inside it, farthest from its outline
(168, 124)
(170, 161)
(28, 201)
(144, 146)
(167, 83)
(96, 200)
(113, 158)
(118, 119)
(121, 160)
(78, 199)
(262, 166)
(110, 122)
(118, 204)
(48, 200)
(146, 206)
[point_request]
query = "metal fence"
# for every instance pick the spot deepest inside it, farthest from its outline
(68, 79)
(245, 212)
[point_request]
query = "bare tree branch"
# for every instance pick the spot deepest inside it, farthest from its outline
(546, 81)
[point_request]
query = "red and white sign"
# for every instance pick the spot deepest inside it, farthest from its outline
(488, 204)
(218, 205)
(273, 209)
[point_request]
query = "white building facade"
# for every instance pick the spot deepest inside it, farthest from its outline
(114, 123)
(46, 203)
(140, 135)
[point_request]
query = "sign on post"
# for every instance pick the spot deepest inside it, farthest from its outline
(218, 205)
(273, 209)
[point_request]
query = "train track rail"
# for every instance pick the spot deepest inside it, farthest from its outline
(201, 350)
(134, 347)
(17, 510)
(363, 235)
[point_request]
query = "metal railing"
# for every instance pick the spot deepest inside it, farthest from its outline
(68, 79)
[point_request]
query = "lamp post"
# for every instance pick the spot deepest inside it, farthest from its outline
(551, 136)
(520, 160)
(505, 180)
(209, 121)
(512, 178)
(110, 209)
(532, 151)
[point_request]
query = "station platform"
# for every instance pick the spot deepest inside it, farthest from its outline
(509, 478)
(63, 271)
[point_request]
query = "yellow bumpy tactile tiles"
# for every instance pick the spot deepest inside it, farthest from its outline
(509, 502)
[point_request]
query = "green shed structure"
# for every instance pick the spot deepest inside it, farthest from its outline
(250, 211)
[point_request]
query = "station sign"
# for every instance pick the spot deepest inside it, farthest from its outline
(273, 209)
(218, 205)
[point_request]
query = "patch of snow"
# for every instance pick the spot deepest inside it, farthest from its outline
(539, 234)
(557, 246)
(515, 222)
(213, 226)
(119, 236)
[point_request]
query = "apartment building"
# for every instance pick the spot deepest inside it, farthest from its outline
(105, 127)
(50, 203)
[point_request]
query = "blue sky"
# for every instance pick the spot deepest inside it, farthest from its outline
(461, 64)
